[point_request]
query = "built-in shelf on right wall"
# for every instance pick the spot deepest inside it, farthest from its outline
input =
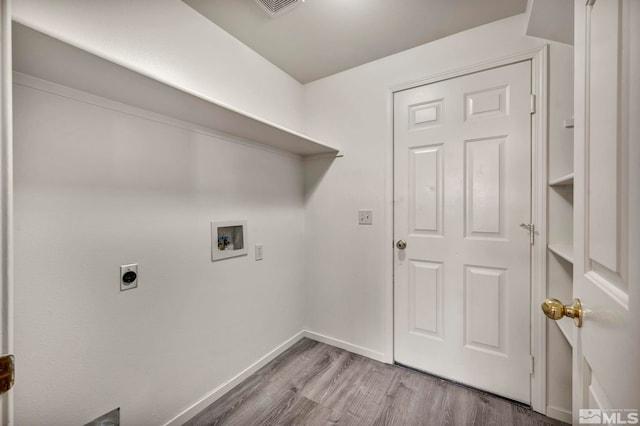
(563, 251)
(563, 180)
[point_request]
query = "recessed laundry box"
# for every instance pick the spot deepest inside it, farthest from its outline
(228, 239)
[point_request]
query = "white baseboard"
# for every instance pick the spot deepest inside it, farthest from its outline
(378, 356)
(225, 387)
(559, 414)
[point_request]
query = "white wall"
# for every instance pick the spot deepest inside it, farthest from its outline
(349, 266)
(169, 41)
(97, 188)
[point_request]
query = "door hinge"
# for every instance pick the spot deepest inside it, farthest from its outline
(7, 373)
(532, 231)
(533, 104)
(531, 368)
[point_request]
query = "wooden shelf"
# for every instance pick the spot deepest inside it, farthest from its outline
(565, 325)
(563, 251)
(562, 181)
(48, 58)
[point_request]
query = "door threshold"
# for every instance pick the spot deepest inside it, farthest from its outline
(463, 385)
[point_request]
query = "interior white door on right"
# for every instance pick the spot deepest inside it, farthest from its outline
(462, 187)
(606, 352)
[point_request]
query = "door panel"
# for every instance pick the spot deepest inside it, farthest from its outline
(484, 188)
(425, 192)
(426, 309)
(462, 161)
(485, 319)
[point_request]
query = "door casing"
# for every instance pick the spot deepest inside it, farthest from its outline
(6, 201)
(539, 141)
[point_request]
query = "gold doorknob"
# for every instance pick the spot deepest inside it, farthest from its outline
(554, 309)
(401, 244)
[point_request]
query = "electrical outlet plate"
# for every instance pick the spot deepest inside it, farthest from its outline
(259, 252)
(129, 268)
(365, 217)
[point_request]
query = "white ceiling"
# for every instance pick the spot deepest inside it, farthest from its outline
(551, 20)
(323, 37)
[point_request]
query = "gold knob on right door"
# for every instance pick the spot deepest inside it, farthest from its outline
(555, 310)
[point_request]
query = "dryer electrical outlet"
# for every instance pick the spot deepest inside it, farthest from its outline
(129, 277)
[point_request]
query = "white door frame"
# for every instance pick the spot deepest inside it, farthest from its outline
(539, 141)
(6, 201)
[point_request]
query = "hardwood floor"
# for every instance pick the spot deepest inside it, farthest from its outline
(317, 384)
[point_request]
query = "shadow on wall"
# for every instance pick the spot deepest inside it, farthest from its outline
(314, 171)
(91, 149)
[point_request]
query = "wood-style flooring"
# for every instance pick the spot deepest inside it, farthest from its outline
(317, 384)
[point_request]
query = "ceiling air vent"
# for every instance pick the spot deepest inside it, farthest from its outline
(278, 7)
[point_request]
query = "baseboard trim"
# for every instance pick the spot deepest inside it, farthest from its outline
(378, 356)
(225, 387)
(559, 414)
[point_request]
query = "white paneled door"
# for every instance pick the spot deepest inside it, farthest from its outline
(606, 360)
(462, 170)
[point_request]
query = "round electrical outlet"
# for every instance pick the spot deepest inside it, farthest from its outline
(129, 277)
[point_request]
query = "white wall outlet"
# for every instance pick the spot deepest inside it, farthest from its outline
(365, 217)
(129, 277)
(259, 252)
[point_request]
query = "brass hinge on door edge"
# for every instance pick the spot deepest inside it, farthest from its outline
(7, 373)
(533, 104)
